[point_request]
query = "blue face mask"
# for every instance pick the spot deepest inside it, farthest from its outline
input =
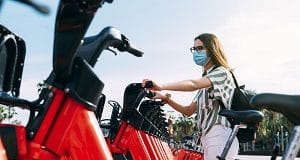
(200, 57)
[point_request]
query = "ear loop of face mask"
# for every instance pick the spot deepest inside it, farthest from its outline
(208, 59)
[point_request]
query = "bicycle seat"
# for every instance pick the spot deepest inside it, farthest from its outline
(288, 105)
(248, 116)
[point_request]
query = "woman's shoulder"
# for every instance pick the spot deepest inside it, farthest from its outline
(220, 76)
(219, 72)
(219, 69)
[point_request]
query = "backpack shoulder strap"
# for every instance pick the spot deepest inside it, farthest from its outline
(236, 86)
(214, 67)
(234, 79)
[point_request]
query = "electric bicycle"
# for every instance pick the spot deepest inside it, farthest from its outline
(62, 123)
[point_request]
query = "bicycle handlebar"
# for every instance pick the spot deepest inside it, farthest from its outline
(148, 84)
(126, 46)
(93, 46)
(40, 8)
(6, 99)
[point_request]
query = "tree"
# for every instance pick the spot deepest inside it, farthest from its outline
(183, 126)
(272, 123)
(7, 113)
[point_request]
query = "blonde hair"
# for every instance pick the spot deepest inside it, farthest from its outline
(214, 49)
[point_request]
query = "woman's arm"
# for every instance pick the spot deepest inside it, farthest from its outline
(185, 110)
(187, 85)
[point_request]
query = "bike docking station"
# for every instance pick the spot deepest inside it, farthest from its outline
(137, 135)
(139, 130)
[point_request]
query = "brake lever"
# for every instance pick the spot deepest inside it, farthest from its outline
(114, 52)
(124, 44)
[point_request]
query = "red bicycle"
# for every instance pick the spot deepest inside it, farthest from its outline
(62, 123)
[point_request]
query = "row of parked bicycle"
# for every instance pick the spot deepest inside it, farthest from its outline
(66, 119)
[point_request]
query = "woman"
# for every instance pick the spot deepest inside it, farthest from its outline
(216, 85)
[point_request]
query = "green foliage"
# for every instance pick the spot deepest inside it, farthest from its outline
(272, 124)
(6, 112)
(41, 86)
(183, 126)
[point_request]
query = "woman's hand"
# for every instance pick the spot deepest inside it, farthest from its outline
(155, 87)
(164, 97)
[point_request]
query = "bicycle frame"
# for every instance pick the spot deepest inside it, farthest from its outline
(73, 133)
(68, 131)
(187, 155)
(139, 144)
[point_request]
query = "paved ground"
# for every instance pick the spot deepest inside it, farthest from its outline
(243, 157)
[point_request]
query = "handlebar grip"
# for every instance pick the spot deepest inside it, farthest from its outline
(150, 94)
(135, 51)
(149, 84)
(127, 46)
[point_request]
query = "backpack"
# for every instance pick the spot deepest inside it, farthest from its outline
(241, 97)
(240, 102)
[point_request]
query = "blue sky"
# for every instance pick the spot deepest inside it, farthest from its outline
(260, 38)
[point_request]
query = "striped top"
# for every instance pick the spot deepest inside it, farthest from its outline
(207, 99)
